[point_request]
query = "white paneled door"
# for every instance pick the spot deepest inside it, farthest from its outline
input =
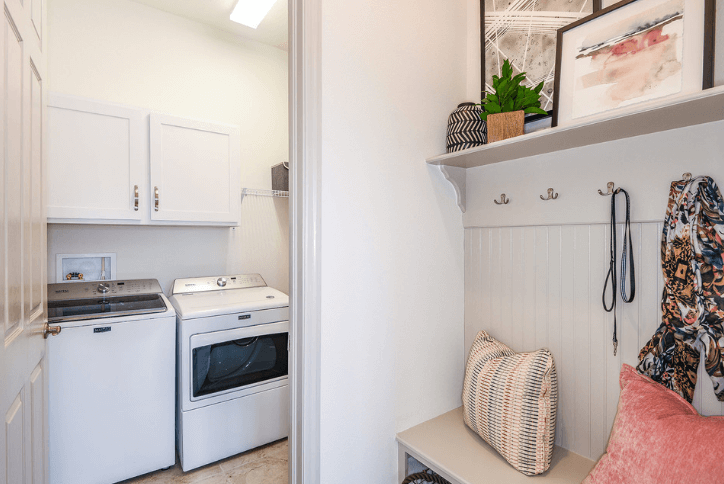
(23, 374)
(195, 169)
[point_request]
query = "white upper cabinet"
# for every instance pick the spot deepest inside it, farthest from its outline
(96, 160)
(194, 170)
(112, 164)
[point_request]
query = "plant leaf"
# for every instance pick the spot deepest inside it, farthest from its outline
(503, 89)
(519, 78)
(507, 70)
(535, 110)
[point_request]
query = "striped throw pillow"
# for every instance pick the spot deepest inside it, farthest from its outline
(510, 400)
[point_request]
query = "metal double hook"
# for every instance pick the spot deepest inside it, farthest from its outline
(611, 190)
(503, 200)
(551, 196)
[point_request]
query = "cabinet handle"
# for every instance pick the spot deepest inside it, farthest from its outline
(155, 198)
(135, 198)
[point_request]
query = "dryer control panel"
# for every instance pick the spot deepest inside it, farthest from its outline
(217, 283)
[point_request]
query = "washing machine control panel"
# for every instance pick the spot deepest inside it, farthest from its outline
(66, 291)
(217, 283)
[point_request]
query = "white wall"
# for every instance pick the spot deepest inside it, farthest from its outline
(125, 52)
(166, 253)
(643, 165)
(392, 237)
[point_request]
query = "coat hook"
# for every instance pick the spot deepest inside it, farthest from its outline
(551, 196)
(610, 189)
(503, 200)
(687, 177)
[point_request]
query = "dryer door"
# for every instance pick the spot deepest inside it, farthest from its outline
(237, 359)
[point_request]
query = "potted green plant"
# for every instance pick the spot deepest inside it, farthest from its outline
(504, 109)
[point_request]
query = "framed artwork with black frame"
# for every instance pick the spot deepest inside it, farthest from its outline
(524, 32)
(630, 54)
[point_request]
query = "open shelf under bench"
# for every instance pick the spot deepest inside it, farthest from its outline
(455, 452)
(671, 113)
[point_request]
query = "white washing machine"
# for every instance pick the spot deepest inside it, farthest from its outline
(111, 381)
(232, 366)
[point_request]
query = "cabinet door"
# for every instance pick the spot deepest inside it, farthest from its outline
(195, 170)
(96, 160)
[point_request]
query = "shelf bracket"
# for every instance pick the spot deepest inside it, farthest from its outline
(456, 176)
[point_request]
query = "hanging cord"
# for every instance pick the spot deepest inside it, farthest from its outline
(627, 253)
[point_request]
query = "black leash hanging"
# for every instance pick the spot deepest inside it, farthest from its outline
(627, 253)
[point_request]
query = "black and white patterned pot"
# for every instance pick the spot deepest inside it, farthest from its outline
(465, 129)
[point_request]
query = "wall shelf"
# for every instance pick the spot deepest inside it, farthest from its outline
(672, 113)
(257, 192)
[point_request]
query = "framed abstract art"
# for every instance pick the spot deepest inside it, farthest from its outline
(631, 53)
(524, 32)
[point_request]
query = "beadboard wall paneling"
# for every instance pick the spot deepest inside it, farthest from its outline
(540, 286)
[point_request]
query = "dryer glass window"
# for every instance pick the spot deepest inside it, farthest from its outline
(238, 363)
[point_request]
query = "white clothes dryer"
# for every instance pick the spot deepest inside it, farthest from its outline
(232, 366)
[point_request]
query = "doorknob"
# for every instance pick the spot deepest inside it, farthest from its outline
(50, 330)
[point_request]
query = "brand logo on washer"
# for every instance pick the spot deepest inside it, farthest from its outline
(245, 316)
(104, 329)
(61, 290)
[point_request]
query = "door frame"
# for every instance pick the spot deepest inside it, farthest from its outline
(305, 116)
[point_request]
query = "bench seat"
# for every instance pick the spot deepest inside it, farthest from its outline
(448, 447)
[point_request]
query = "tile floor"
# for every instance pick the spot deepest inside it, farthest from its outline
(267, 464)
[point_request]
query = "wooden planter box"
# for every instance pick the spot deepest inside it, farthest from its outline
(505, 125)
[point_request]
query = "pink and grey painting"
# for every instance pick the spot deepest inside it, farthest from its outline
(630, 61)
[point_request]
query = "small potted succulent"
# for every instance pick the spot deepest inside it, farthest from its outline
(505, 108)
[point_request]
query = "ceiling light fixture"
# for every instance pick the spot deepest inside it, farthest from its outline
(251, 12)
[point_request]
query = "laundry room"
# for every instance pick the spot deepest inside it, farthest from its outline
(144, 56)
(167, 190)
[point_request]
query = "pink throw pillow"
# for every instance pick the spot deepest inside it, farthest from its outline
(658, 437)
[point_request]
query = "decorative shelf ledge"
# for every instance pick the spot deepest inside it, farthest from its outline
(699, 108)
(674, 112)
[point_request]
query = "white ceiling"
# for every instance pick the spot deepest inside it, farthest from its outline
(272, 30)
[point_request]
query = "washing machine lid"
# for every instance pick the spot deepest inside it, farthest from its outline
(203, 297)
(81, 301)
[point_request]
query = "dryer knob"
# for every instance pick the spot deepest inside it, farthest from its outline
(103, 288)
(221, 281)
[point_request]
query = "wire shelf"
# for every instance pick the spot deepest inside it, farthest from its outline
(263, 193)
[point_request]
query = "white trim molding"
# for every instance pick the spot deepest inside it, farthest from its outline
(305, 112)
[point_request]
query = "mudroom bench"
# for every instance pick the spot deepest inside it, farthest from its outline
(448, 447)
